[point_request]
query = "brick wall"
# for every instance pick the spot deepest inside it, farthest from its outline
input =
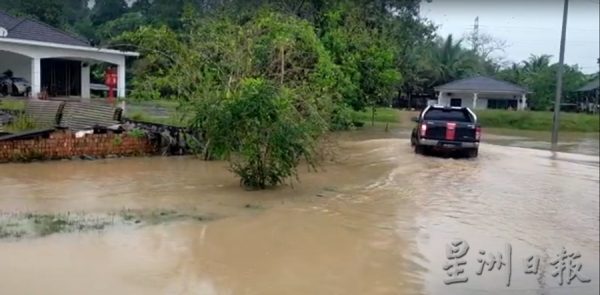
(61, 145)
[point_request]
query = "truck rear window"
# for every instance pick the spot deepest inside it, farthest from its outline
(451, 115)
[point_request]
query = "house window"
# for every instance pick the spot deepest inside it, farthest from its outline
(456, 102)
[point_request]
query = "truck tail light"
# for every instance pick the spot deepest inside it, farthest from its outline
(478, 133)
(423, 129)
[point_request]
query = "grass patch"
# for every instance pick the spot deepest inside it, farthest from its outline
(145, 117)
(385, 115)
(12, 105)
(20, 124)
(540, 121)
(168, 104)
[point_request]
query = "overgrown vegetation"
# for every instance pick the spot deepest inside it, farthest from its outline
(263, 134)
(21, 123)
(12, 105)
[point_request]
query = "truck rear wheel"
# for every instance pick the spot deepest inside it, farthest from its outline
(418, 149)
(473, 153)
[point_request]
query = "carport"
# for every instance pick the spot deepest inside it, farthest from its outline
(55, 62)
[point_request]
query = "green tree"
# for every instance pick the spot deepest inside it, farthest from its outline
(539, 76)
(366, 58)
(262, 133)
(126, 23)
(47, 11)
(450, 61)
(270, 76)
(107, 10)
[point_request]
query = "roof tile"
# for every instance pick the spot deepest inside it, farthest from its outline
(482, 84)
(32, 30)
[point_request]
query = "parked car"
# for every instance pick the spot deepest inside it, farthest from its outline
(452, 129)
(14, 86)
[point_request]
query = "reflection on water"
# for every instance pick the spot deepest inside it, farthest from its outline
(376, 221)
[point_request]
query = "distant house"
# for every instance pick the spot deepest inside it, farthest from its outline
(481, 93)
(587, 96)
(53, 60)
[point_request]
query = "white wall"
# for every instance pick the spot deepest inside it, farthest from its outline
(54, 52)
(19, 64)
(467, 99)
(31, 53)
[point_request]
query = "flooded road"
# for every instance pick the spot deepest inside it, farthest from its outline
(376, 220)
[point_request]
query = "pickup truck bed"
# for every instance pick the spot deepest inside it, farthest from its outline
(446, 128)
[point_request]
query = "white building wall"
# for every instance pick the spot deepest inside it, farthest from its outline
(27, 65)
(467, 99)
(57, 52)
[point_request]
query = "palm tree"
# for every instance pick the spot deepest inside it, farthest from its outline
(450, 61)
(537, 63)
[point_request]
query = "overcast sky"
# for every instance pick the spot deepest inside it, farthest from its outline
(528, 26)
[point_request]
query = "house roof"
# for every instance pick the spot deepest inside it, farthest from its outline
(592, 85)
(481, 84)
(22, 28)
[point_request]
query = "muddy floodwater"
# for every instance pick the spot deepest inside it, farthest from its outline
(376, 219)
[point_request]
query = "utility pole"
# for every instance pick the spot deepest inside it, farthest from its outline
(559, 78)
(596, 107)
(476, 34)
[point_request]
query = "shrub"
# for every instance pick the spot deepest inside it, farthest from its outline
(21, 123)
(262, 134)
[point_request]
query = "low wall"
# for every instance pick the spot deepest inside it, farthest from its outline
(64, 145)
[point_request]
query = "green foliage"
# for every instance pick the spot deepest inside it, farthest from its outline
(136, 133)
(539, 76)
(20, 124)
(107, 10)
(153, 75)
(386, 115)
(529, 120)
(48, 11)
(450, 61)
(365, 57)
(12, 105)
(125, 23)
(262, 133)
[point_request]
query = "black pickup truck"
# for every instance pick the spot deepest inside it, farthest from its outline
(453, 129)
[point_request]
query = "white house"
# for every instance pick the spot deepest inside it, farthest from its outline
(482, 93)
(53, 60)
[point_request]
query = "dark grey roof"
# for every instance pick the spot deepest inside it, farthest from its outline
(33, 30)
(595, 84)
(481, 84)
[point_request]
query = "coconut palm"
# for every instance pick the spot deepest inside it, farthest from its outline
(450, 61)
(537, 63)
